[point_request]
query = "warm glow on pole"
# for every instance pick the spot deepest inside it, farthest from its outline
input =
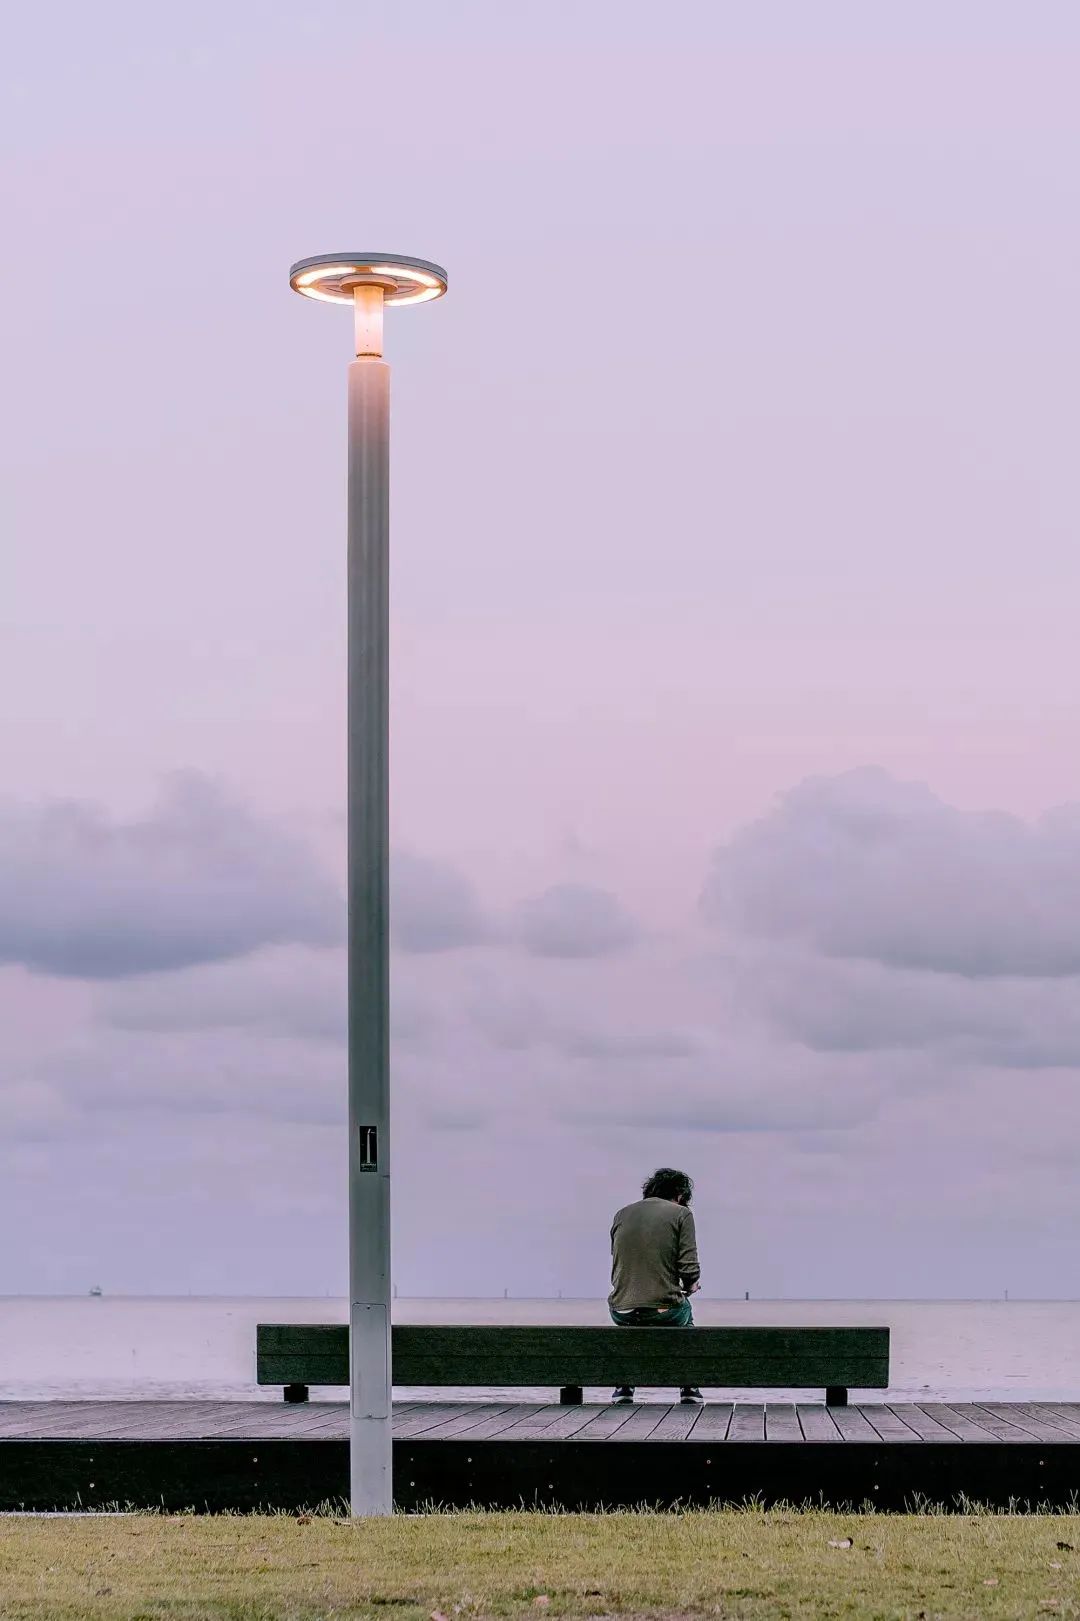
(368, 318)
(370, 283)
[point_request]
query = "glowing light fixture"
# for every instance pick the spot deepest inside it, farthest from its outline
(330, 277)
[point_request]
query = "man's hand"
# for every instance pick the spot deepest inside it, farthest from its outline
(693, 1289)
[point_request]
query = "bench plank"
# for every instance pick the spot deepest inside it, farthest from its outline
(557, 1355)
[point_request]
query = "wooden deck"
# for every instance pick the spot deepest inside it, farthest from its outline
(218, 1455)
(714, 1422)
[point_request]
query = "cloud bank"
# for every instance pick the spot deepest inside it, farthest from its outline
(864, 866)
(574, 920)
(850, 1020)
(198, 879)
(433, 906)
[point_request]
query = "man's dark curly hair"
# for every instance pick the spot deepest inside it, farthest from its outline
(668, 1184)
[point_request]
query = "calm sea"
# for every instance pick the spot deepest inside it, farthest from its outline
(123, 1347)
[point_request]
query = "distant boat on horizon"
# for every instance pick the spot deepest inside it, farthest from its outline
(97, 1289)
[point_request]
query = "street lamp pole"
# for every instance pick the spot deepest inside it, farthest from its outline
(370, 283)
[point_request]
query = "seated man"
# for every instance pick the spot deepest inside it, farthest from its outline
(654, 1262)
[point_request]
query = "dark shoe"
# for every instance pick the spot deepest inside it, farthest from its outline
(690, 1394)
(622, 1394)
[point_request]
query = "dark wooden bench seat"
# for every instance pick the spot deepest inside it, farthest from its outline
(298, 1355)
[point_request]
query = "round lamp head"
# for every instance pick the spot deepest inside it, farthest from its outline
(333, 277)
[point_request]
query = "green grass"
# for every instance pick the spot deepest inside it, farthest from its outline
(726, 1563)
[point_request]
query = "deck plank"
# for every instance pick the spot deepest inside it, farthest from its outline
(1020, 1414)
(464, 1423)
(715, 1421)
(678, 1423)
(603, 1424)
(33, 1419)
(573, 1419)
(747, 1422)
(816, 1422)
(15, 1415)
(71, 1420)
(428, 1415)
(1051, 1415)
(853, 1425)
(157, 1421)
(782, 1422)
(1069, 1411)
(642, 1421)
(498, 1420)
(256, 1421)
(961, 1419)
(532, 1424)
(1000, 1428)
(925, 1426)
(889, 1422)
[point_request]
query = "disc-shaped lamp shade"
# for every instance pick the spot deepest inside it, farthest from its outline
(331, 277)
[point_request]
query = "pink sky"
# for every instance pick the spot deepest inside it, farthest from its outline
(740, 453)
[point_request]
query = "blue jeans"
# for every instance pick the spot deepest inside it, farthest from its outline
(680, 1316)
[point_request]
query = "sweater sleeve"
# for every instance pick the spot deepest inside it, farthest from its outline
(687, 1264)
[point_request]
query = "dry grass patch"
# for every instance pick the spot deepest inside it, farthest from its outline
(457, 1566)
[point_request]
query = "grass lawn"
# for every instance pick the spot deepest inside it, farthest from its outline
(740, 1563)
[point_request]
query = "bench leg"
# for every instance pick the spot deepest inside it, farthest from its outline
(296, 1392)
(836, 1396)
(571, 1395)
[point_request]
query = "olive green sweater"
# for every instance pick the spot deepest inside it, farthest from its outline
(654, 1257)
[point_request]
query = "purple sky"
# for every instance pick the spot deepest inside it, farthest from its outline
(734, 613)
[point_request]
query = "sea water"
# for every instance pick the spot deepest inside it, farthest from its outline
(126, 1347)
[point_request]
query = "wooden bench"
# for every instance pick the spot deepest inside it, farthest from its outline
(297, 1355)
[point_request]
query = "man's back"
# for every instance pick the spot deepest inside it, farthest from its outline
(654, 1256)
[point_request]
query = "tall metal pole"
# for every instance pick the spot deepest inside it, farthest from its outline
(371, 1485)
(368, 281)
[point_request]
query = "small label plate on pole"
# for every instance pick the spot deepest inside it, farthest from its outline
(369, 1148)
